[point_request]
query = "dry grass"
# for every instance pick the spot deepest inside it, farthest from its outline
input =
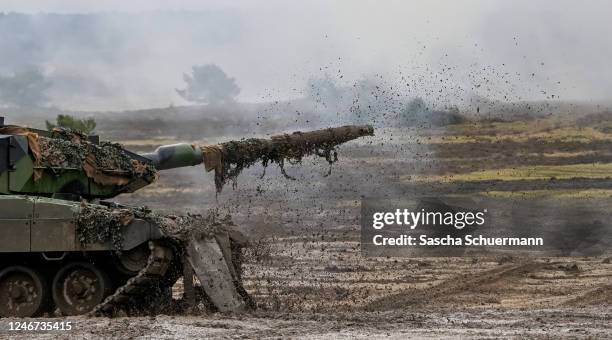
(550, 129)
(553, 194)
(535, 172)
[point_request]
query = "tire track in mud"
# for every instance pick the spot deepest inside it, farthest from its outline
(456, 285)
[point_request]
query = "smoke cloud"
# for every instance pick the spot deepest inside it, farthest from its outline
(123, 55)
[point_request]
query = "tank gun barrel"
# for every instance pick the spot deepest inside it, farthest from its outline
(288, 146)
(175, 156)
(284, 146)
(229, 158)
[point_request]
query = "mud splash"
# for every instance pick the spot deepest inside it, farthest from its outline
(210, 243)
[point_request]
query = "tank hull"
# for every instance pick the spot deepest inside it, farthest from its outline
(45, 263)
(40, 224)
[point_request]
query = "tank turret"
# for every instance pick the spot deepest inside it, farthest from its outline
(64, 163)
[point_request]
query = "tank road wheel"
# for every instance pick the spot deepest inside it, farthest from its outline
(23, 292)
(130, 262)
(79, 287)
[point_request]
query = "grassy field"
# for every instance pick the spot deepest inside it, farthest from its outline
(548, 150)
(570, 194)
(530, 172)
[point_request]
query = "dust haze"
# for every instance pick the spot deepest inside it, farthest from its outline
(115, 56)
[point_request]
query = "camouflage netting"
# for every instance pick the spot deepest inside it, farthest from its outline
(100, 224)
(106, 163)
(59, 153)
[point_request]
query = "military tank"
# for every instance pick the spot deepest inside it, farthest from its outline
(64, 247)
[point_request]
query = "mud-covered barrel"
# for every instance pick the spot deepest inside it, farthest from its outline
(229, 158)
(294, 145)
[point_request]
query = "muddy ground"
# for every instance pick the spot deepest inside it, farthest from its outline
(309, 279)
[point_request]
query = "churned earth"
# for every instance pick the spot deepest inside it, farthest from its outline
(327, 290)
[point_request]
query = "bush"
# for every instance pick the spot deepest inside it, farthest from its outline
(85, 125)
(208, 84)
(417, 113)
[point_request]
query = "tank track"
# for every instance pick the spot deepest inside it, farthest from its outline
(140, 285)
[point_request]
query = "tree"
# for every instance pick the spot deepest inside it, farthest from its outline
(85, 125)
(208, 84)
(25, 88)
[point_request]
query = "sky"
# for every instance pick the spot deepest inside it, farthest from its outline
(133, 53)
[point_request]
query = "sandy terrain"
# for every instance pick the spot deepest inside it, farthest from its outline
(327, 290)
